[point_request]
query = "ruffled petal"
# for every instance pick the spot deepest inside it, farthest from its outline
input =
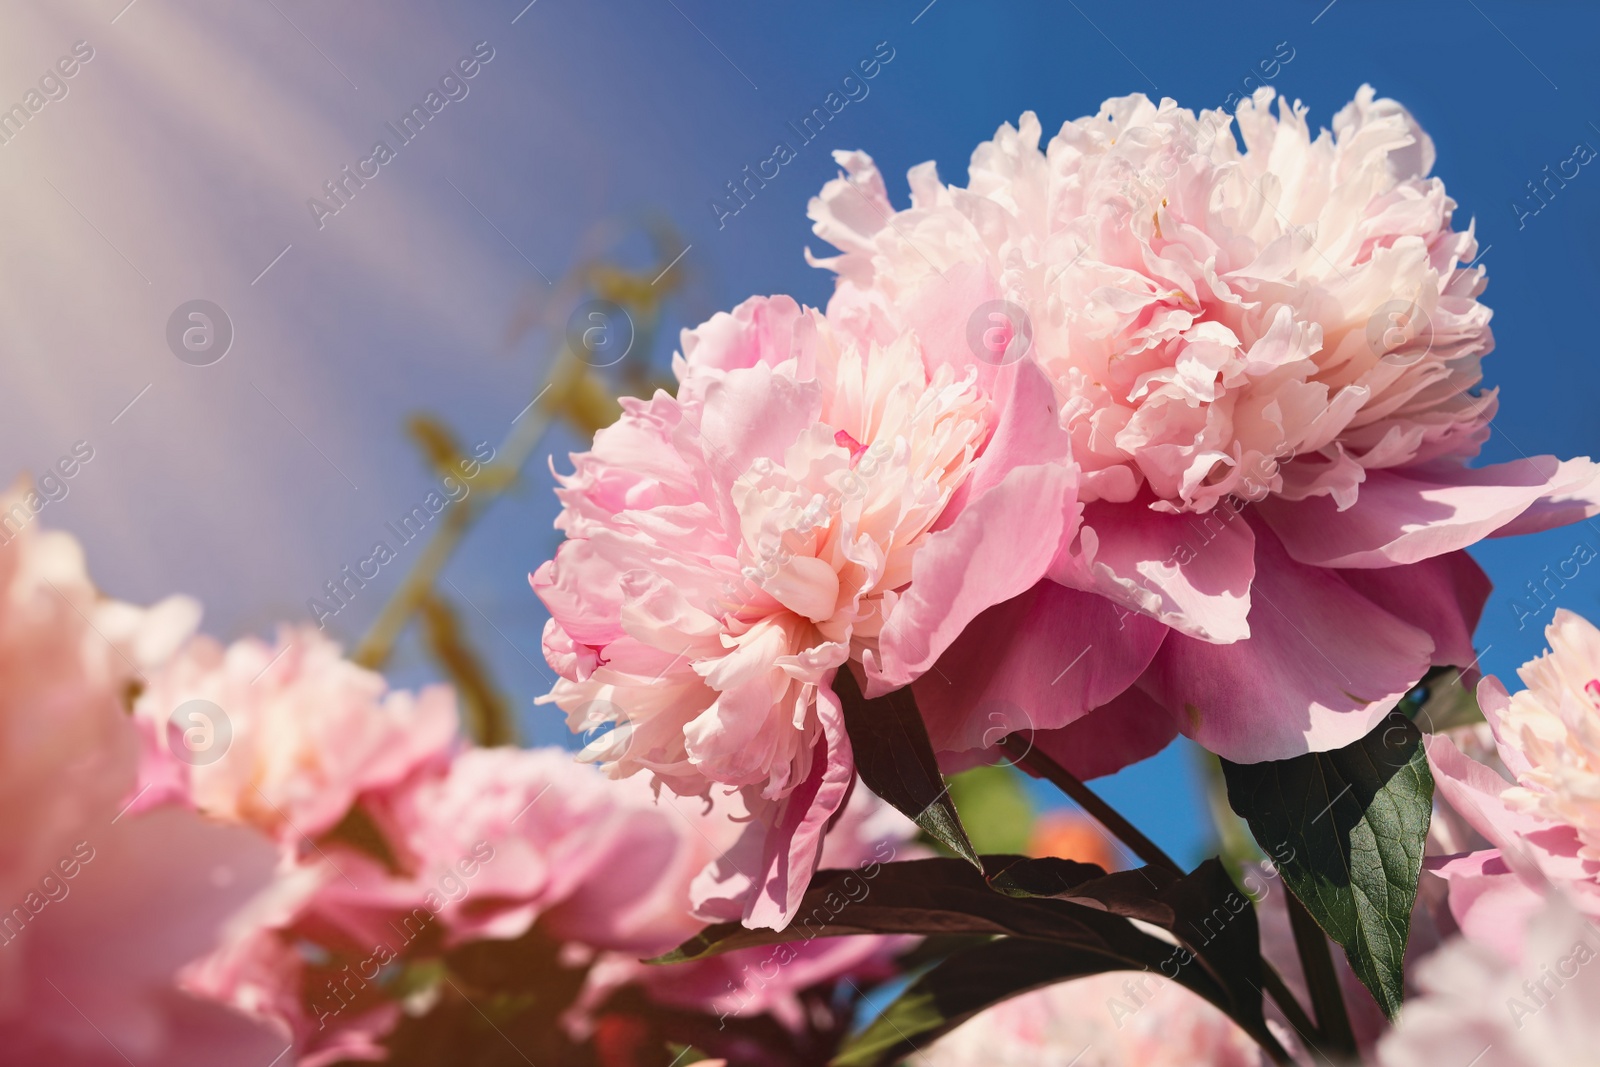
(766, 873)
(763, 329)
(1039, 661)
(1444, 595)
(973, 564)
(1322, 666)
(1404, 517)
(1191, 572)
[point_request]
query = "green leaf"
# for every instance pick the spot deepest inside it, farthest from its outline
(895, 759)
(1346, 829)
(1085, 935)
(1047, 939)
(962, 986)
(1203, 909)
(926, 896)
(994, 808)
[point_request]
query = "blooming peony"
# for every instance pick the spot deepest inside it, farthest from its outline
(101, 906)
(301, 733)
(1544, 824)
(1265, 359)
(1108, 1020)
(804, 502)
(1481, 1008)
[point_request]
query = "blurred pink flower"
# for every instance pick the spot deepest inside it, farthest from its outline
(502, 841)
(608, 868)
(1265, 360)
(99, 906)
(594, 861)
(303, 732)
(1544, 825)
(803, 503)
(1482, 1008)
(306, 957)
(94, 978)
(70, 659)
(1108, 1020)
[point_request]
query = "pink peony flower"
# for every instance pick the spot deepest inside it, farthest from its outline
(550, 840)
(1265, 360)
(100, 906)
(1489, 1010)
(1109, 1020)
(94, 977)
(1544, 824)
(301, 732)
(803, 503)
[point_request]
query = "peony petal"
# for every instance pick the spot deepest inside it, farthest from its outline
(749, 414)
(582, 590)
(1494, 702)
(1029, 430)
(1322, 666)
(792, 847)
(975, 563)
(1424, 512)
(763, 329)
(1191, 572)
(1488, 900)
(1474, 790)
(1037, 662)
(1574, 496)
(1129, 728)
(1443, 595)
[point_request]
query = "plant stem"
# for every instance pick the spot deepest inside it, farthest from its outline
(1278, 990)
(1338, 1040)
(1021, 749)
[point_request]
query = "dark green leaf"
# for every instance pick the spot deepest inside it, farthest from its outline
(1019, 876)
(962, 986)
(1204, 910)
(1085, 932)
(895, 759)
(1346, 829)
(927, 896)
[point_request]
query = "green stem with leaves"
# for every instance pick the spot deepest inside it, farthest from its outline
(1022, 750)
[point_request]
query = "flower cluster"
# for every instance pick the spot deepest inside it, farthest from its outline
(1146, 430)
(1198, 410)
(341, 872)
(407, 855)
